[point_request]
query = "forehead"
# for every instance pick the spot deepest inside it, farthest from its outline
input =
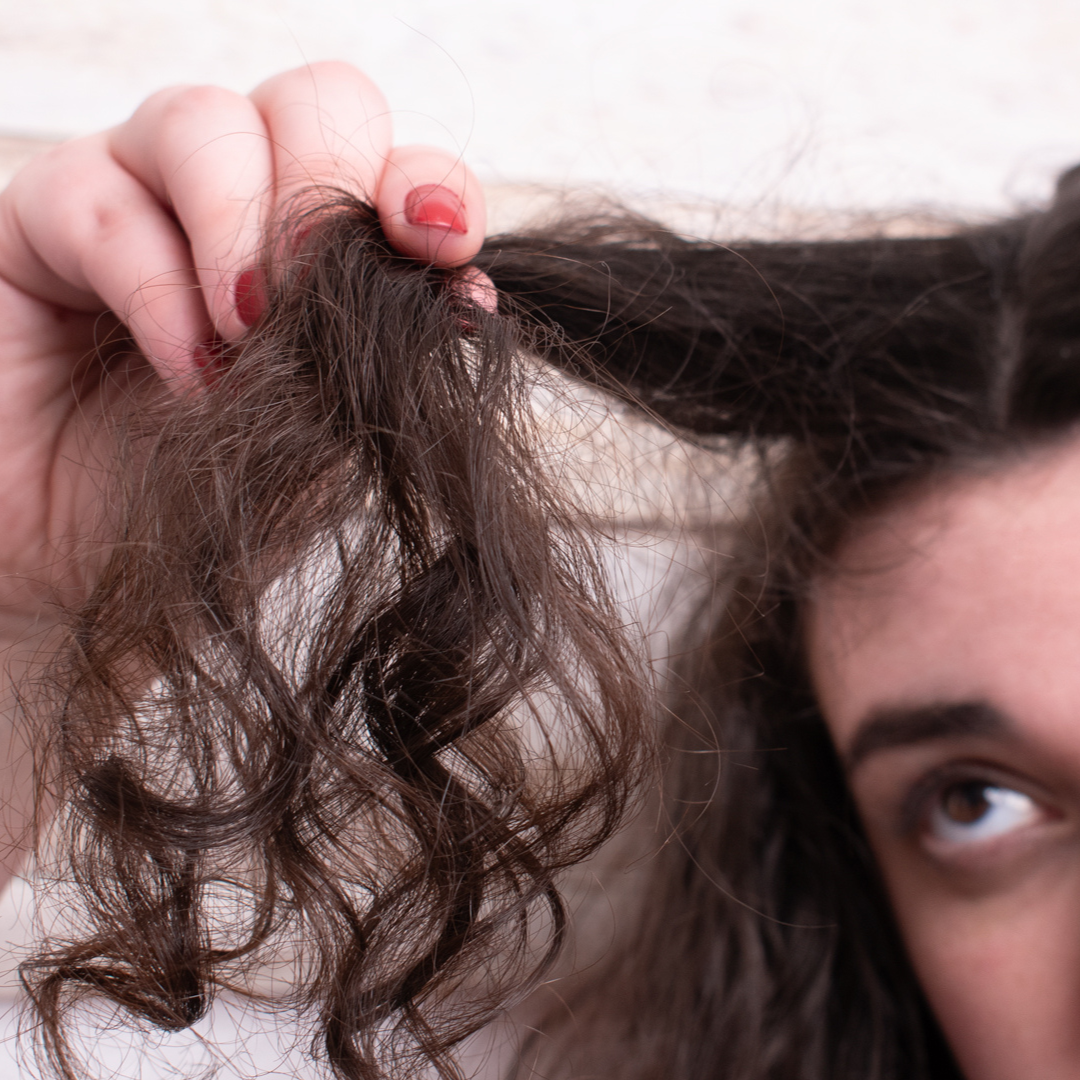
(968, 591)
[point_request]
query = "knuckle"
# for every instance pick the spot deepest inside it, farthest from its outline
(92, 216)
(341, 71)
(106, 221)
(334, 69)
(188, 103)
(161, 97)
(300, 82)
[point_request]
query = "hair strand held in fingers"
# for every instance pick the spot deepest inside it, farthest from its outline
(348, 695)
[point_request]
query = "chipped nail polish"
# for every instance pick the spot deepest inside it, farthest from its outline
(436, 207)
(250, 295)
(209, 357)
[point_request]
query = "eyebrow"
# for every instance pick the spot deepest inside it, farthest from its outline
(887, 729)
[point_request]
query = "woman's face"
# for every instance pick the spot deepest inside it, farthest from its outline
(946, 657)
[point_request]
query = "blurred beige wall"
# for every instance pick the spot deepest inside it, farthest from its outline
(834, 103)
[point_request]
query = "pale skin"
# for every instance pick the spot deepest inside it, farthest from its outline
(946, 657)
(156, 222)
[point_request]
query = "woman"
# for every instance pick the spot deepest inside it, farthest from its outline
(872, 780)
(899, 395)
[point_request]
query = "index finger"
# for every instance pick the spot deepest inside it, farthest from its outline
(329, 126)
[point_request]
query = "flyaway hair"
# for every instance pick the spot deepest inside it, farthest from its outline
(862, 369)
(349, 689)
(350, 693)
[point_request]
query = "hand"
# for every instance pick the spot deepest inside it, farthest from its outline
(157, 224)
(160, 222)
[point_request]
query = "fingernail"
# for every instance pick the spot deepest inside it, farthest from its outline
(437, 208)
(250, 295)
(475, 287)
(300, 236)
(209, 357)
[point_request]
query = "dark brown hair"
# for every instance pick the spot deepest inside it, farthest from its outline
(348, 692)
(765, 948)
(350, 674)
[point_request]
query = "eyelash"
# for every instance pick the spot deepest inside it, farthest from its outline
(1008, 809)
(1004, 810)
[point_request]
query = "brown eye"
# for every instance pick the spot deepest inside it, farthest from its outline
(965, 803)
(974, 811)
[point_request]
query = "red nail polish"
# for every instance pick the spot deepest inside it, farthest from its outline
(299, 237)
(250, 295)
(209, 357)
(437, 208)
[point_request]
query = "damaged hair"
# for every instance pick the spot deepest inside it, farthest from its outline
(762, 946)
(349, 693)
(351, 675)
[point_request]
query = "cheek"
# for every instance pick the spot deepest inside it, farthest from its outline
(1001, 973)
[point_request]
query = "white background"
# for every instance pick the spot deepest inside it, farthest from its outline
(826, 103)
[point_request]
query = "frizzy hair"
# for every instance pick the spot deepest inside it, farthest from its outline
(864, 370)
(348, 690)
(377, 788)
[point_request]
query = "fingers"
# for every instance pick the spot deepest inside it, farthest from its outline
(105, 242)
(162, 219)
(329, 127)
(431, 206)
(224, 163)
(475, 287)
(206, 154)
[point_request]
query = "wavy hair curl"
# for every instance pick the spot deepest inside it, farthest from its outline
(349, 693)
